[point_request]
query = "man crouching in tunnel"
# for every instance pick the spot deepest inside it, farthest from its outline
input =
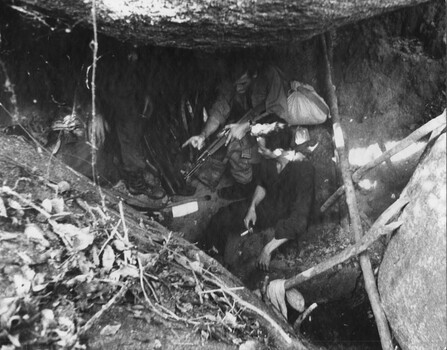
(282, 199)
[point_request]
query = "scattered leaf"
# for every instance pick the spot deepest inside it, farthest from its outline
(58, 205)
(250, 345)
(65, 232)
(3, 208)
(196, 266)
(8, 307)
(47, 205)
(184, 307)
(108, 258)
(14, 204)
(26, 259)
(6, 236)
(148, 259)
(47, 319)
(110, 329)
(95, 255)
(38, 282)
(129, 271)
(22, 285)
(119, 245)
(157, 344)
(83, 263)
(35, 234)
(63, 186)
(230, 319)
(125, 271)
(79, 279)
(82, 239)
(210, 317)
(205, 335)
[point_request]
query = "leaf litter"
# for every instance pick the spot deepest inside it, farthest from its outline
(62, 272)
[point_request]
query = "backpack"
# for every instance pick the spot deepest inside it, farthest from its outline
(305, 106)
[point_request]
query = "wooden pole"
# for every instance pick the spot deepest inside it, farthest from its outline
(406, 142)
(356, 225)
(344, 255)
(377, 230)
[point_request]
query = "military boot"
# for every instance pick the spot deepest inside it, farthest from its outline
(137, 185)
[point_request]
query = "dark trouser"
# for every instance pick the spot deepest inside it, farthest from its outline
(130, 134)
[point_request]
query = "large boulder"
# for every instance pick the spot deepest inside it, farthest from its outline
(412, 277)
(211, 24)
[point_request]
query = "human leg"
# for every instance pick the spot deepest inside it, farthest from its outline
(130, 134)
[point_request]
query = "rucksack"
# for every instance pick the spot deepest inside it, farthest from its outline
(305, 106)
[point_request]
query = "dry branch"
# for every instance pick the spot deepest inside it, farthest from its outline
(332, 199)
(341, 257)
(303, 316)
(103, 309)
(406, 142)
(377, 230)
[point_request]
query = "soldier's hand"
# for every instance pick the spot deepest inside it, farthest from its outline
(196, 141)
(250, 218)
(236, 131)
(100, 129)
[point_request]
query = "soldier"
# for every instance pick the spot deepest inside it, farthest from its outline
(282, 199)
(260, 90)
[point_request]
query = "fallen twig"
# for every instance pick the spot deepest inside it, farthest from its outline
(332, 199)
(104, 308)
(303, 316)
(112, 234)
(221, 290)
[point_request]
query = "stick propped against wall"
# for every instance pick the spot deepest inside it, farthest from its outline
(356, 225)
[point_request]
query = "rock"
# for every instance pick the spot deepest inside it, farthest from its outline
(197, 23)
(412, 276)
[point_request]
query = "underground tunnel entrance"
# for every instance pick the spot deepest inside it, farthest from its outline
(388, 86)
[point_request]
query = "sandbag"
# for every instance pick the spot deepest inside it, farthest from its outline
(305, 106)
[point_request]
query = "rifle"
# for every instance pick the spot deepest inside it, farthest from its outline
(217, 144)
